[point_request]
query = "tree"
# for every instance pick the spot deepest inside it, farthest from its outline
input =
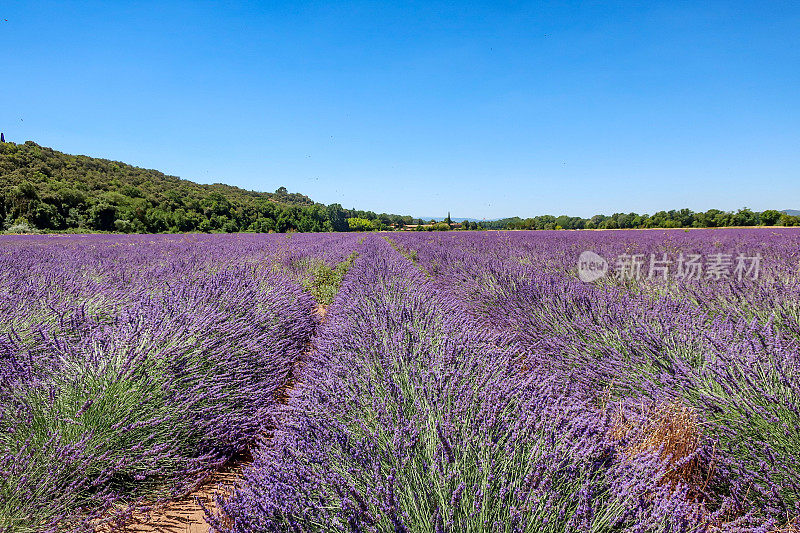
(597, 220)
(564, 221)
(609, 224)
(124, 226)
(359, 224)
(770, 217)
(745, 217)
(336, 215)
(45, 215)
(102, 216)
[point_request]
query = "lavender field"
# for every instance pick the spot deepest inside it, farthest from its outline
(457, 381)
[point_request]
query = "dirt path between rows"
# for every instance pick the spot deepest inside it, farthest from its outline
(185, 515)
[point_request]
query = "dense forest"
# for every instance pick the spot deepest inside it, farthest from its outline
(42, 189)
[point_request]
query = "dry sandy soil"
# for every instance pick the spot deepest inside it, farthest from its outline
(185, 514)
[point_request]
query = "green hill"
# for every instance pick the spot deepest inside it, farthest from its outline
(44, 189)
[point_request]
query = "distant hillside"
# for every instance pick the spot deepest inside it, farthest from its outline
(792, 212)
(50, 190)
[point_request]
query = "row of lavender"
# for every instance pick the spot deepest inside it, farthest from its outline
(478, 386)
(701, 371)
(129, 366)
(413, 415)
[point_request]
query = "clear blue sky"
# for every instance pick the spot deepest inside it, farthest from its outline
(481, 109)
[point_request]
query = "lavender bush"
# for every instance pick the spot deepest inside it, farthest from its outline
(412, 416)
(725, 348)
(128, 367)
(461, 381)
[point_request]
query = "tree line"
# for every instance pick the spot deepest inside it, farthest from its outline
(42, 189)
(683, 218)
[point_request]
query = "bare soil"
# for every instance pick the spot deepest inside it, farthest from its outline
(183, 515)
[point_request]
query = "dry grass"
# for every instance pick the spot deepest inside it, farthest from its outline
(792, 527)
(673, 431)
(670, 429)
